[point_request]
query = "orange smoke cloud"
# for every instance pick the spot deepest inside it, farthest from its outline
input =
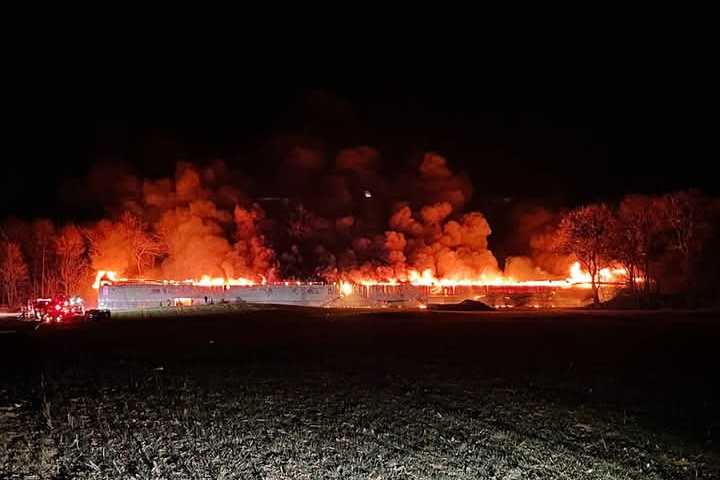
(188, 231)
(356, 225)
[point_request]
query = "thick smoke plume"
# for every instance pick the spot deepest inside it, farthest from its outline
(324, 217)
(184, 227)
(363, 224)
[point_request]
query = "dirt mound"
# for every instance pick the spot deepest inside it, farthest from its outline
(464, 306)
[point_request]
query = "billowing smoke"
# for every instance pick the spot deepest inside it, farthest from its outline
(535, 232)
(439, 184)
(194, 224)
(350, 218)
(365, 224)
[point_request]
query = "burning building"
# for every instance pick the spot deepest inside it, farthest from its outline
(141, 295)
(364, 241)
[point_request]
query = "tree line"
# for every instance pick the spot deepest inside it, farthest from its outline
(668, 244)
(39, 258)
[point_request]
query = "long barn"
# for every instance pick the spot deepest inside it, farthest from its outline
(131, 295)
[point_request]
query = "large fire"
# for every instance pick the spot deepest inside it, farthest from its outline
(207, 281)
(195, 230)
(577, 277)
(606, 275)
(108, 276)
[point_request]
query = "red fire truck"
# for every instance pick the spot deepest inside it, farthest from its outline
(56, 309)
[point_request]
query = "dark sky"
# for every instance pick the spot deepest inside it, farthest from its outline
(559, 153)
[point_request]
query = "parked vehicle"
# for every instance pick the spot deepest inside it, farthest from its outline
(56, 309)
(97, 314)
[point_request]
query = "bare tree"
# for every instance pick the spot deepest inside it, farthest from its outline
(109, 247)
(585, 233)
(125, 246)
(145, 247)
(684, 213)
(636, 232)
(43, 233)
(13, 271)
(72, 261)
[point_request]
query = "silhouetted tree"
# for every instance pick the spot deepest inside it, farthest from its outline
(72, 262)
(13, 271)
(687, 215)
(145, 247)
(43, 255)
(637, 227)
(586, 233)
(124, 245)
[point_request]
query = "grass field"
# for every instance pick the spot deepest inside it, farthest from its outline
(300, 393)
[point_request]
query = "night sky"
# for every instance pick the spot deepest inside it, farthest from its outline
(559, 156)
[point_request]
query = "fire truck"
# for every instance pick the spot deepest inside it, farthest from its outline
(60, 308)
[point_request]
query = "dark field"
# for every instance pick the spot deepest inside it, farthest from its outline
(292, 393)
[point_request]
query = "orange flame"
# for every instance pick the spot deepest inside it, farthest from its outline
(106, 276)
(207, 281)
(346, 288)
(577, 278)
(605, 275)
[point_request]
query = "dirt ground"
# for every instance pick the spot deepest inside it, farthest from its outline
(299, 393)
